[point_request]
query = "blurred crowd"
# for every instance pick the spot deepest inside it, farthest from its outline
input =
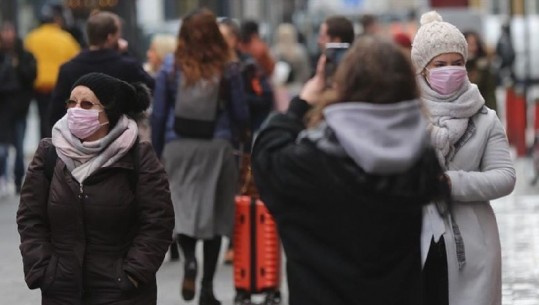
(36, 63)
(210, 90)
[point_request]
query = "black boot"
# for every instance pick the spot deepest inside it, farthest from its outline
(174, 253)
(189, 279)
(207, 297)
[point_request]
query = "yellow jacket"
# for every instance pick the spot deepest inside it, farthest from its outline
(52, 47)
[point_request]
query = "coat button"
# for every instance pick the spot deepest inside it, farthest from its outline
(85, 196)
(119, 279)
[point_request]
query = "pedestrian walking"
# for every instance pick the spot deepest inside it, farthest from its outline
(347, 190)
(95, 214)
(479, 69)
(370, 25)
(161, 46)
(258, 91)
(252, 44)
(293, 68)
(51, 46)
(104, 31)
(258, 95)
(334, 29)
(461, 244)
(18, 70)
(505, 57)
(199, 109)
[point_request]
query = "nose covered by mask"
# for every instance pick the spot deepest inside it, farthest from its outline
(446, 80)
(83, 123)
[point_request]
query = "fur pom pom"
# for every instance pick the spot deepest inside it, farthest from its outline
(143, 97)
(431, 16)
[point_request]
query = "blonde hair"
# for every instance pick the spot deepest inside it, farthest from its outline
(286, 41)
(164, 44)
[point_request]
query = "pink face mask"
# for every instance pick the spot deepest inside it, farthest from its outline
(448, 79)
(83, 123)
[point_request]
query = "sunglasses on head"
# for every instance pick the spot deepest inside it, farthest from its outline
(83, 104)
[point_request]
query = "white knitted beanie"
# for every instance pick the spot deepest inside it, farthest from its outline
(436, 37)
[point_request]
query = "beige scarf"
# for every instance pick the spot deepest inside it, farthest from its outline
(84, 158)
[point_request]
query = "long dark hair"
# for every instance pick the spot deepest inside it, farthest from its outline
(481, 51)
(202, 52)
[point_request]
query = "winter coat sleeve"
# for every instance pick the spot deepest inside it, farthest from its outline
(496, 177)
(162, 98)
(279, 163)
(36, 248)
(156, 218)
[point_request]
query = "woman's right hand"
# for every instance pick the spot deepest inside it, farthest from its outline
(314, 87)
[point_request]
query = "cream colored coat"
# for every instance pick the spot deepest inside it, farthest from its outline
(480, 171)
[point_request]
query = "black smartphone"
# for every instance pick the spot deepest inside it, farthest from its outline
(334, 54)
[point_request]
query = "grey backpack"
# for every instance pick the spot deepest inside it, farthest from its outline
(196, 108)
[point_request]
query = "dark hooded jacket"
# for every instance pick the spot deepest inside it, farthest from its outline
(350, 237)
(80, 243)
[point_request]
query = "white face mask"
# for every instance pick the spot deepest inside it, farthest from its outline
(83, 123)
(446, 80)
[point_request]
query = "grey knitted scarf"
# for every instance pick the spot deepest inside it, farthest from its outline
(83, 158)
(449, 116)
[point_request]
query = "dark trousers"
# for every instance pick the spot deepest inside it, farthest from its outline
(435, 282)
(18, 143)
(43, 100)
(4, 148)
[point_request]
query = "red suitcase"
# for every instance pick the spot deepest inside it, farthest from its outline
(257, 253)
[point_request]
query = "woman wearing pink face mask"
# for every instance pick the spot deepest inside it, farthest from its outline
(460, 243)
(95, 215)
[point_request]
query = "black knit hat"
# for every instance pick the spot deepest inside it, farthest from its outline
(105, 87)
(116, 96)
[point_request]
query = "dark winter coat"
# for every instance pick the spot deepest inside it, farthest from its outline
(18, 71)
(258, 91)
(79, 243)
(106, 61)
(350, 238)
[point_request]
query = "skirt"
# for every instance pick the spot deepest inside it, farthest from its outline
(203, 178)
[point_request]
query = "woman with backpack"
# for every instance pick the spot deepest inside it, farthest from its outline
(199, 109)
(95, 215)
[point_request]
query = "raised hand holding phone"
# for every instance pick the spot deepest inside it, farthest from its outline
(314, 87)
(334, 53)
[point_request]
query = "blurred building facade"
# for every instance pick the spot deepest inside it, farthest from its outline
(142, 18)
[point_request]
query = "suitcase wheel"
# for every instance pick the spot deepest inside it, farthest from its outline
(273, 298)
(242, 298)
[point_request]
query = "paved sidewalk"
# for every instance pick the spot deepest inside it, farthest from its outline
(518, 223)
(518, 220)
